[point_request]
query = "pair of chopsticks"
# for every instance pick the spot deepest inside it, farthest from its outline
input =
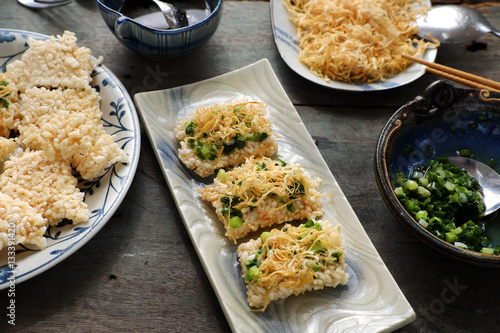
(456, 75)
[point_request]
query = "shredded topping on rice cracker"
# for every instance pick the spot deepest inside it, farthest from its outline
(260, 193)
(224, 135)
(291, 261)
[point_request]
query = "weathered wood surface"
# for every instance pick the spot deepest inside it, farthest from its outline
(140, 273)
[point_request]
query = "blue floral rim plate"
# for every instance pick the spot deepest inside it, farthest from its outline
(370, 302)
(103, 195)
(286, 41)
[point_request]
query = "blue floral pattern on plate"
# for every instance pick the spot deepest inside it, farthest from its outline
(104, 194)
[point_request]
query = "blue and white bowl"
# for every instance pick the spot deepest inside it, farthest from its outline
(159, 43)
(439, 123)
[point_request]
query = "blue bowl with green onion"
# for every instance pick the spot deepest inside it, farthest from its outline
(411, 170)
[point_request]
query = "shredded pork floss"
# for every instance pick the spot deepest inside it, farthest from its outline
(356, 40)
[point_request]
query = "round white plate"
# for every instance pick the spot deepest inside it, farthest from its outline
(102, 195)
(286, 41)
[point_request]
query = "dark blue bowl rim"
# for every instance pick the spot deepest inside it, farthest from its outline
(384, 183)
(167, 32)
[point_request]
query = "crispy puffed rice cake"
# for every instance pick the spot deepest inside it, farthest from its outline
(45, 184)
(67, 125)
(53, 63)
(29, 225)
(46, 100)
(7, 147)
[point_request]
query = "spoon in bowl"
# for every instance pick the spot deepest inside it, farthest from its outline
(137, 9)
(454, 24)
(488, 179)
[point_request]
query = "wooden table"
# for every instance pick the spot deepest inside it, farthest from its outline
(140, 273)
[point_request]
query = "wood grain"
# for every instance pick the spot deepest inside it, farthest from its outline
(140, 273)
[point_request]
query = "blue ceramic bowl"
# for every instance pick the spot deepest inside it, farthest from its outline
(159, 43)
(439, 123)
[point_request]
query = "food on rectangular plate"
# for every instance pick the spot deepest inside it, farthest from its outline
(260, 193)
(291, 261)
(357, 40)
(224, 135)
(50, 132)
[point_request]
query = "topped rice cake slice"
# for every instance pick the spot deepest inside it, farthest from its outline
(224, 135)
(260, 193)
(291, 261)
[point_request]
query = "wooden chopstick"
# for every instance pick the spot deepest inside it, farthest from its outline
(456, 75)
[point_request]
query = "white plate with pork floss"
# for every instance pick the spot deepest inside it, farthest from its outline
(371, 301)
(351, 45)
(72, 113)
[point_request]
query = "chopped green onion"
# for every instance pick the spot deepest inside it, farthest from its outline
(283, 163)
(424, 193)
(265, 235)
(472, 126)
(423, 223)
(235, 222)
(311, 224)
(423, 181)
(252, 274)
(493, 163)
(337, 255)
(411, 185)
(318, 247)
(422, 214)
(446, 202)
(464, 152)
(190, 127)
(221, 175)
(487, 250)
(399, 191)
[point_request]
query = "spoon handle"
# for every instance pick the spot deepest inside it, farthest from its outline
(495, 32)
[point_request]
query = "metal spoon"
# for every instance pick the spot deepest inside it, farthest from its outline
(488, 179)
(454, 24)
(39, 4)
(174, 17)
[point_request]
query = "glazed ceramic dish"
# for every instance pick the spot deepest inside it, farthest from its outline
(442, 121)
(286, 41)
(103, 195)
(371, 301)
(157, 43)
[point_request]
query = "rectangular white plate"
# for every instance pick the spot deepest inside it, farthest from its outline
(370, 302)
